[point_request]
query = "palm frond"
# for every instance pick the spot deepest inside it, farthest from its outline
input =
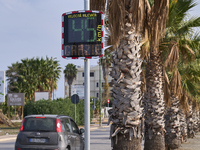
(176, 85)
(173, 57)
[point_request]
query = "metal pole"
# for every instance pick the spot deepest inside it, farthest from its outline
(75, 112)
(87, 4)
(52, 79)
(53, 76)
(87, 92)
(100, 92)
(15, 112)
(87, 103)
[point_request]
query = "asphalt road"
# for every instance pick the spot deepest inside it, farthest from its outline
(7, 145)
(99, 139)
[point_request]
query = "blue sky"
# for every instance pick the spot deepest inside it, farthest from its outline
(32, 28)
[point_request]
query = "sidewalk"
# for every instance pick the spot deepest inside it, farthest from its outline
(191, 144)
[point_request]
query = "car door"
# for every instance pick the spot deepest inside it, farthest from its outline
(71, 138)
(76, 134)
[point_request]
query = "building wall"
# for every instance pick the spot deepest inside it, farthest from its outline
(94, 81)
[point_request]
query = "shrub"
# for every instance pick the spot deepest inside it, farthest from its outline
(58, 107)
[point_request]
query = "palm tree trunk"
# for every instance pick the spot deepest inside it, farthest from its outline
(70, 90)
(190, 122)
(172, 124)
(154, 104)
(126, 114)
(133, 144)
(183, 126)
(196, 120)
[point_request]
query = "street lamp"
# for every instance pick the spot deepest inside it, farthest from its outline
(53, 75)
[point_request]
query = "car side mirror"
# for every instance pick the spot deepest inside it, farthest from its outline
(82, 131)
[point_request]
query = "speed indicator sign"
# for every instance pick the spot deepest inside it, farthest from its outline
(82, 34)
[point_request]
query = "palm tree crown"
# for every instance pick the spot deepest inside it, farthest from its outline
(70, 74)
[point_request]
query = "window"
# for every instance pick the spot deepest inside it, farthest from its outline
(37, 124)
(62, 126)
(97, 95)
(97, 84)
(91, 74)
(102, 84)
(74, 127)
(68, 125)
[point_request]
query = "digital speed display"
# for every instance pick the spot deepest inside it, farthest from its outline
(82, 34)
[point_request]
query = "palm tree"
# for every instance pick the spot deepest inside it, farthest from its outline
(31, 75)
(177, 40)
(134, 18)
(190, 80)
(70, 74)
(52, 72)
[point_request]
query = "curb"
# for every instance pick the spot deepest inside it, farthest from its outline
(7, 138)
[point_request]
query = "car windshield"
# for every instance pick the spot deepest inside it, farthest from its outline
(40, 124)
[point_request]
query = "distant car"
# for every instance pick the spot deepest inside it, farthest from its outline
(49, 132)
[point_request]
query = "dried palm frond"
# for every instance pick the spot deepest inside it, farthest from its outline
(166, 89)
(173, 57)
(139, 10)
(98, 5)
(159, 15)
(176, 86)
(184, 102)
(116, 19)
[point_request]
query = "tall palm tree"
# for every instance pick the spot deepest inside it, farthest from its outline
(154, 95)
(70, 74)
(190, 80)
(134, 18)
(177, 40)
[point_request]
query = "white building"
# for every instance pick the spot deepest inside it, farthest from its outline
(94, 81)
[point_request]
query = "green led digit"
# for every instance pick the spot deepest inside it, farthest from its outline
(81, 30)
(90, 29)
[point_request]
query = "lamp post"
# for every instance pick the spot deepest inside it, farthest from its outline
(53, 76)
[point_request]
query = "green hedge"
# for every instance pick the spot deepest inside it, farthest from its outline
(59, 107)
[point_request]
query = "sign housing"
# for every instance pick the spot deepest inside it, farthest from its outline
(82, 34)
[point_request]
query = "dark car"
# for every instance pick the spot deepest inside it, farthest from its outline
(49, 132)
